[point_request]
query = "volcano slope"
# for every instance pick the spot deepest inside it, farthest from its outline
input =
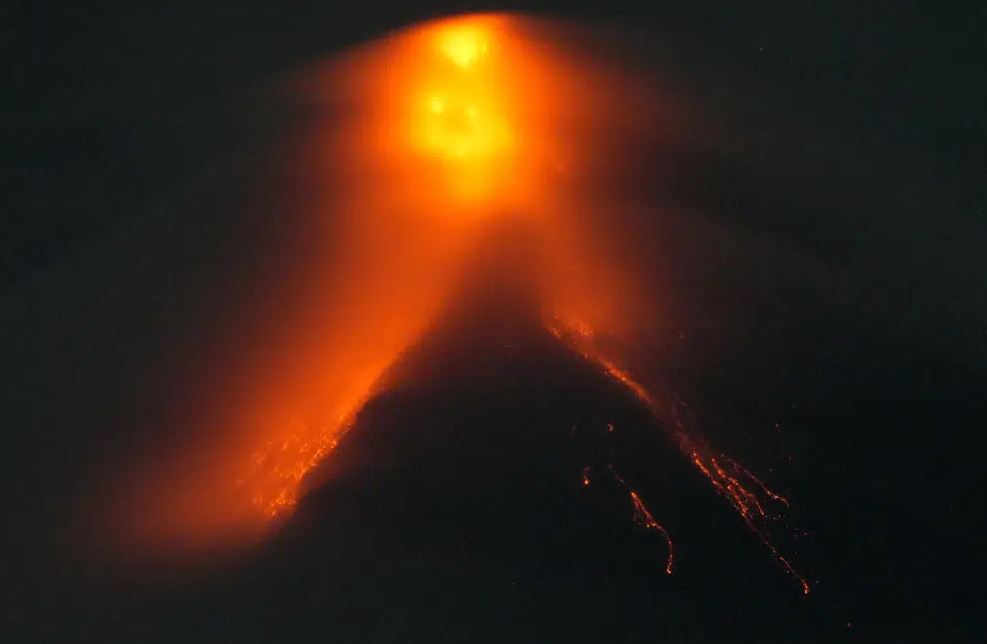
(484, 496)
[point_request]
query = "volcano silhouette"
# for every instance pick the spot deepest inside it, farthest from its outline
(456, 509)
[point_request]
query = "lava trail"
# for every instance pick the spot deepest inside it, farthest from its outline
(643, 516)
(746, 493)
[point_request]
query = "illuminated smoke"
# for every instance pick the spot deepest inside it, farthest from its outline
(435, 130)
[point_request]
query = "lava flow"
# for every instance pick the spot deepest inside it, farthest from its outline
(745, 499)
(435, 130)
(643, 516)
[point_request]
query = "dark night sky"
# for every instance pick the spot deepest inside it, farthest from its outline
(858, 136)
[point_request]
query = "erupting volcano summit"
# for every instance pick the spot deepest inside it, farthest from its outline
(436, 134)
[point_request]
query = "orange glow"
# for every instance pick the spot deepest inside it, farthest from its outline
(443, 126)
(422, 137)
(444, 112)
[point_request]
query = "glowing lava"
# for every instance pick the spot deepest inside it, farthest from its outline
(643, 516)
(745, 499)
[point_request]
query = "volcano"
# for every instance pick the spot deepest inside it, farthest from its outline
(490, 328)
(485, 496)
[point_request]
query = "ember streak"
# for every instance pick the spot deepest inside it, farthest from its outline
(584, 476)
